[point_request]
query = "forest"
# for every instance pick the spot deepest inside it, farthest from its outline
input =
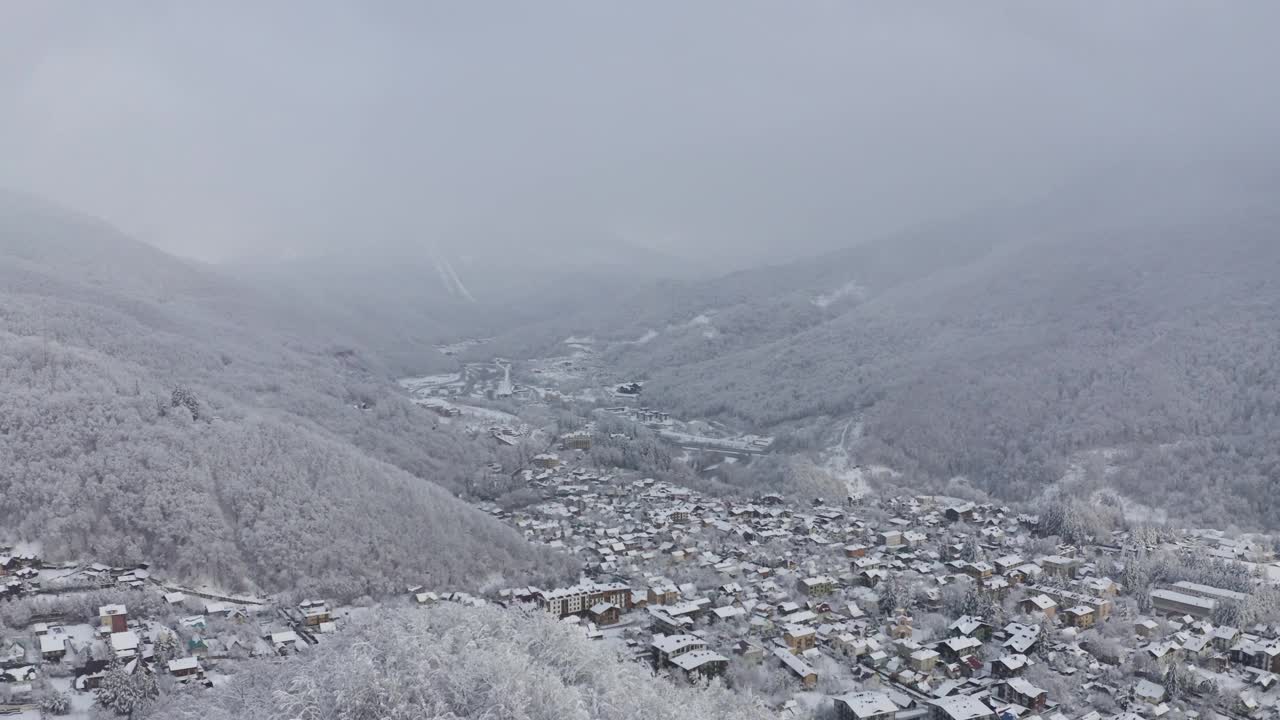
(153, 411)
(1002, 349)
(455, 662)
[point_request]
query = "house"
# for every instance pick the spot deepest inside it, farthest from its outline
(979, 570)
(1224, 636)
(956, 648)
(1210, 592)
(1060, 567)
(855, 551)
(1102, 606)
(184, 667)
(53, 647)
(314, 612)
(284, 641)
(749, 651)
(1102, 586)
(1147, 628)
(1022, 692)
(924, 660)
(579, 599)
(24, 673)
(969, 626)
(113, 618)
(1196, 646)
(700, 664)
(799, 638)
(679, 515)
(1042, 604)
(865, 706)
(961, 513)
(547, 461)
(1080, 616)
(579, 440)
(1007, 666)
(1257, 653)
(901, 628)
(802, 670)
(959, 707)
(605, 614)
(1165, 654)
(89, 675)
(125, 644)
(666, 647)
(1021, 638)
(1174, 603)
(817, 586)
(15, 653)
(20, 694)
(1148, 692)
(175, 598)
(664, 594)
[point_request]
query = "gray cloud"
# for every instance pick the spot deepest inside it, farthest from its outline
(747, 129)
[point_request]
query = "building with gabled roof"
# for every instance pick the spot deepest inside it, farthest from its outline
(865, 706)
(959, 707)
(801, 669)
(700, 664)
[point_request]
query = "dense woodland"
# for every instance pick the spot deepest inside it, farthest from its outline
(455, 662)
(151, 411)
(1162, 348)
(1002, 350)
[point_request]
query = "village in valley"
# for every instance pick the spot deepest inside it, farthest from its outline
(888, 604)
(885, 605)
(909, 607)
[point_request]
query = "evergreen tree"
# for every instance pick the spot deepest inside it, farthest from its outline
(127, 689)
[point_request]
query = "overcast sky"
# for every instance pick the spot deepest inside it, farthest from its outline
(728, 128)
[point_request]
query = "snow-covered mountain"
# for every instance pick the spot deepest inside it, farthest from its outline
(153, 409)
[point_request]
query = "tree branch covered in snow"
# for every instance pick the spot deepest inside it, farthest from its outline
(455, 662)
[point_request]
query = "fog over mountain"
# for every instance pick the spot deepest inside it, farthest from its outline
(735, 336)
(724, 132)
(156, 411)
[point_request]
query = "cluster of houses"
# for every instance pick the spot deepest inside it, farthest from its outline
(187, 639)
(699, 585)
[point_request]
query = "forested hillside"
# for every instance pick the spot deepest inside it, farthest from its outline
(1000, 347)
(153, 410)
(454, 662)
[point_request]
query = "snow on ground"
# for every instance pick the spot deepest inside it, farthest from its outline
(461, 346)
(1106, 459)
(703, 321)
(417, 384)
(82, 634)
(24, 548)
(488, 416)
(849, 289)
(838, 462)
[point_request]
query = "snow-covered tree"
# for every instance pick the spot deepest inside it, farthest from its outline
(127, 689)
(55, 704)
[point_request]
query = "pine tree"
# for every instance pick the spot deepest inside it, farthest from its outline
(55, 703)
(892, 595)
(166, 648)
(127, 689)
(972, 550)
